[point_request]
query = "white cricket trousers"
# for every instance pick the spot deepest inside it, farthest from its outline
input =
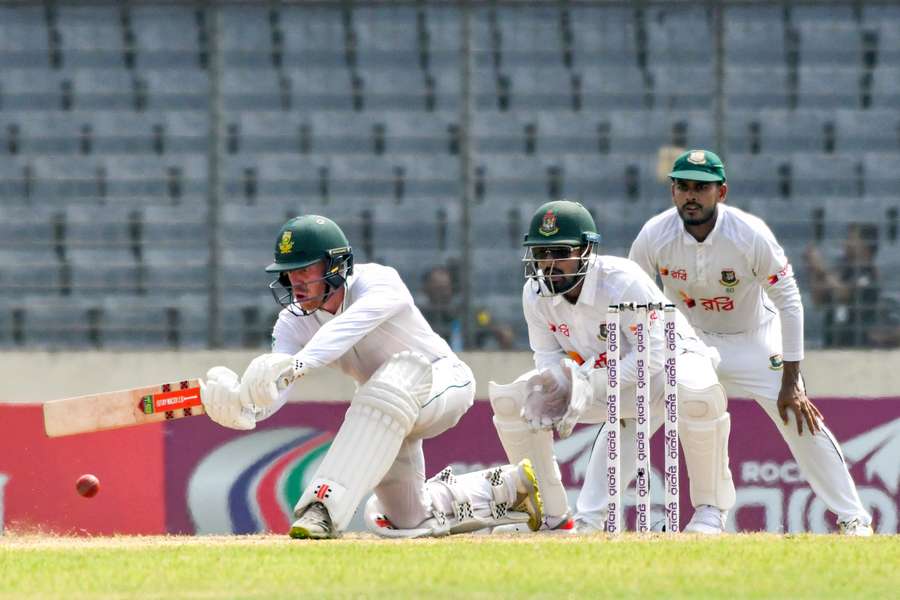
(751, 368)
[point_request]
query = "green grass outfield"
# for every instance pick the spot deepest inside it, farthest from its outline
(731, 566)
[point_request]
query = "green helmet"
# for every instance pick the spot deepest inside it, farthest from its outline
(557, 228)
(304, 241)
(561, 223)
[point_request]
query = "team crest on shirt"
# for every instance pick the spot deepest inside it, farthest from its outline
(287, 243)
(729, 278)
(776, 362)
(548, 224)
(601, 335)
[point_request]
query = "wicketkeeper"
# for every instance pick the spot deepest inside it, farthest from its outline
(362, 320)
(567, 291)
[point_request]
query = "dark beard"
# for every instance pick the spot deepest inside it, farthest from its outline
(702, 219)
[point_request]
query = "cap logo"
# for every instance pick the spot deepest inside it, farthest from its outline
(286, 244)
(548, 225)
(697, 157)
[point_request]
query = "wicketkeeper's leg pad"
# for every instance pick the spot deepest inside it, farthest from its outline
(519, 442)
(463, 504)
(380, 416)
(704, 429)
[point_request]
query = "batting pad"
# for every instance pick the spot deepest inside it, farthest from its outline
(519, 442)
(704, 440)
(380, 416)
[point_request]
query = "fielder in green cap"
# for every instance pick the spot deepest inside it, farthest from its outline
(698, 186)
(724, 268)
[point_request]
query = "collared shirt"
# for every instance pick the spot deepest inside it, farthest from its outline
(734, 281)
(557, 328)
(377, 319)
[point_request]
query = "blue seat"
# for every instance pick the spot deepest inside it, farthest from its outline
(56, 323)
(881, 174)
(34, 89)
(540, 88)
(51, 132)
(529, 35)
(826, 177)
(601, 33)
(413, 132)
(62, 180)
(743, 89)
(562, 131)
(251, 89)
(831, 43)
(90, 36)
(620, 88)
(497, 132)
(103, 89)
(867, 131)
(886, 87)
(313, 36)
(177, 89)
(394, 89)
(666, 29)
(829, 87)
(683, 87)
(246, 36)
(386, 36)
(755, 177)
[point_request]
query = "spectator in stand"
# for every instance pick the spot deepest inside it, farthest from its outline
(848, 292)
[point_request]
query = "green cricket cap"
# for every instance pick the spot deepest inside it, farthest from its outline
(698, 165)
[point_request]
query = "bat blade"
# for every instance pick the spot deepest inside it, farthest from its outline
(124, 408)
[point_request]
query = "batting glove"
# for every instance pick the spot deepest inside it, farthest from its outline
(221, 398)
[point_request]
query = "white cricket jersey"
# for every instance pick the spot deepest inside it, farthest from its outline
(376, 320)
(734, 281)
(558, 328)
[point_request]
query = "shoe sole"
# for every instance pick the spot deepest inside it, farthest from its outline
(302, 533)
(534, 505)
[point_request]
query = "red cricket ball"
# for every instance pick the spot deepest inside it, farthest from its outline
(87, 485)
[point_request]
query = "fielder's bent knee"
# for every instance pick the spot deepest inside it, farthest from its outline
(707, 404)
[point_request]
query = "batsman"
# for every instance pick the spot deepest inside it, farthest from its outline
(568, 288)
(361, 319)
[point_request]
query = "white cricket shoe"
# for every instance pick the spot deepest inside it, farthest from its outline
(314, 523)
(855, 527)
(551, 525)
(583, 526)
(708, 520)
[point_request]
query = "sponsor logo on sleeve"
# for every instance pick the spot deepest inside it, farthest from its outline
(776, 277)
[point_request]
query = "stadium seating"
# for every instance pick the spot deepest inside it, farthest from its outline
(355, 111)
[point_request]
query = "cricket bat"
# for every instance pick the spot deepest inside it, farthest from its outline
(125, 408)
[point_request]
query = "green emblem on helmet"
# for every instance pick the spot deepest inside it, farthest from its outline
(548, 225)
(286, 244)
